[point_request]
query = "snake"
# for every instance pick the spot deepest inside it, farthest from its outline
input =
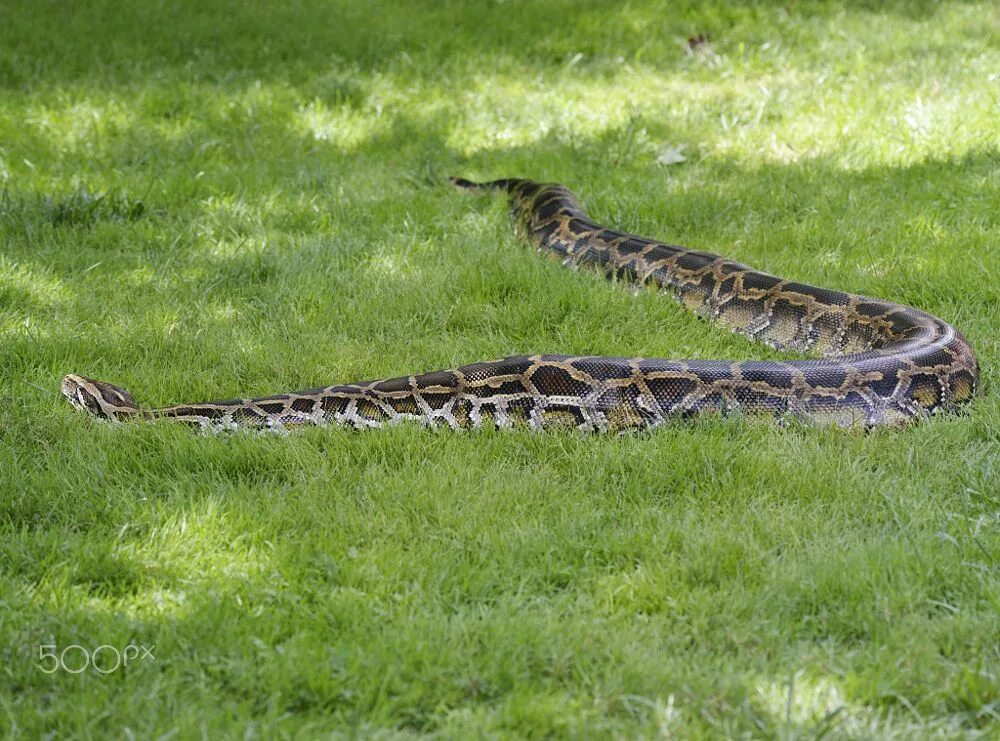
(867, 363)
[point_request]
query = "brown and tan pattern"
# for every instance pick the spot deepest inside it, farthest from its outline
(880, 363)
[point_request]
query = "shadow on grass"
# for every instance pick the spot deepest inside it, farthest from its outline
(230, 40)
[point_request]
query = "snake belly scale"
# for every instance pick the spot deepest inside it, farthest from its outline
(876, 362)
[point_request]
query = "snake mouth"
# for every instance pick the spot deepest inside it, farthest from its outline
(72, 389)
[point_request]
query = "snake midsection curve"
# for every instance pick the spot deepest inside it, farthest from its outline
(879, 362)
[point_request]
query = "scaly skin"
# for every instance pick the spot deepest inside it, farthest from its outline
(880, 363)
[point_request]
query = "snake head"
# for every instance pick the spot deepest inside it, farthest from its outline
(102, 399)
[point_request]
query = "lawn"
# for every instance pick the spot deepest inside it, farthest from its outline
(202, 200)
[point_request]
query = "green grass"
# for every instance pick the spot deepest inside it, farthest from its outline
(202, 200)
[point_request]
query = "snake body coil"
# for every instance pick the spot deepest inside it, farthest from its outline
(880, 363)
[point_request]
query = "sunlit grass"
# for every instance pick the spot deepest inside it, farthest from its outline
(217, 201)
